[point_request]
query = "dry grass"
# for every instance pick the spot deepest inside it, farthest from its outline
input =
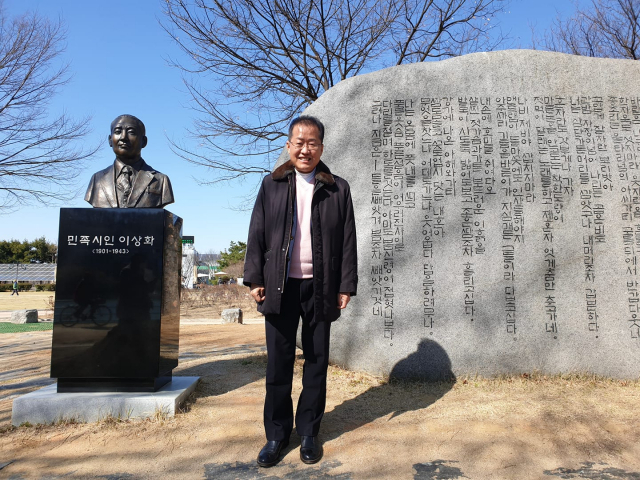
(536, 379)
(4, 429)
(513, 426)
(209, 301)
(37, 300)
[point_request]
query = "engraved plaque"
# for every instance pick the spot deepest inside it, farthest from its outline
(117, 317)
(497, 201)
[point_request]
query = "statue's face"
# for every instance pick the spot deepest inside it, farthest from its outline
(127, 140)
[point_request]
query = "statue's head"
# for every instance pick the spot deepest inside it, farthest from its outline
(127, 138)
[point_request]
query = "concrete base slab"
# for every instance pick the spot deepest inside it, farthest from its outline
(47, 406)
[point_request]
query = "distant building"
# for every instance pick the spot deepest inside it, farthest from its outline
(36, 273)
(208, 266)
(197, 268)
(189, 256)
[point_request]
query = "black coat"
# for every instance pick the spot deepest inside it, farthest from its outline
(335, 259)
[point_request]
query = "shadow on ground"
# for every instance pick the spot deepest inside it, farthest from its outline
(415, 382)
(595, 471)
(221, 376)
(233, 471)
(437, 470)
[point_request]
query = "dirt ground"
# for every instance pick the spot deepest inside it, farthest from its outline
(527, 427)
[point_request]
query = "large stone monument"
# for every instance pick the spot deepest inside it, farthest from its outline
(497, 200)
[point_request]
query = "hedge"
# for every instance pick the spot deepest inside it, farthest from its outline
(23, 287)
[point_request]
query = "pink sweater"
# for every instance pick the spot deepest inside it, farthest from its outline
(301, 263)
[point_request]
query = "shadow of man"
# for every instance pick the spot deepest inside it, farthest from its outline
(415, 382)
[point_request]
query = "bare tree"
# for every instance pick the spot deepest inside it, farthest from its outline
(235, 270)
(37, 159)
(606, 28)
(266, 61)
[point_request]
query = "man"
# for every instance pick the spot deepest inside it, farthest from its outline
(15, 288)
(301, 261)
(129, 182)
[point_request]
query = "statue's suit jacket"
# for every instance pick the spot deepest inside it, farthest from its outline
(151, 189)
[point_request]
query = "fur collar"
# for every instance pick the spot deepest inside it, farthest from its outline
(323, 174)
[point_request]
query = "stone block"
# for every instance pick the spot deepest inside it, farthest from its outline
(232, 315)
(24, 316)
(495, 198)
(46, 406)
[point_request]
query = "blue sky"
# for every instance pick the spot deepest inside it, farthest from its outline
(118, 54)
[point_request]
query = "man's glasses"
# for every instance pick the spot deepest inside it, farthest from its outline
(312, 147)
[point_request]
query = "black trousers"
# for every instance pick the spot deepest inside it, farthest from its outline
(297, 302)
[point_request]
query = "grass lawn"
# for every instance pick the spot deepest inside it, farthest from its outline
(8, 327)
(37, 300)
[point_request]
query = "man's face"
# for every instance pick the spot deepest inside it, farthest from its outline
(126, 140)
(305, 147)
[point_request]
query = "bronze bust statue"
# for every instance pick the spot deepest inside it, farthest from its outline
(129, 182)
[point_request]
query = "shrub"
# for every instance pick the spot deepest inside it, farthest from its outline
(22, 287)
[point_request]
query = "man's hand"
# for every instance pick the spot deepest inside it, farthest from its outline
(343, 300)
(257, 292)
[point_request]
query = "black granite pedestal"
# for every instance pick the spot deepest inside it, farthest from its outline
(117, 315)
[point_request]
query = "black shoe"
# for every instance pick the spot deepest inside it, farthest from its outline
(270, 453)
(310, 449)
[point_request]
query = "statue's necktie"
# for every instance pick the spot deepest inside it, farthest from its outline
(124, 184)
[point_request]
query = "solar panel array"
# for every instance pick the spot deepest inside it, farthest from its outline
(30, 272)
